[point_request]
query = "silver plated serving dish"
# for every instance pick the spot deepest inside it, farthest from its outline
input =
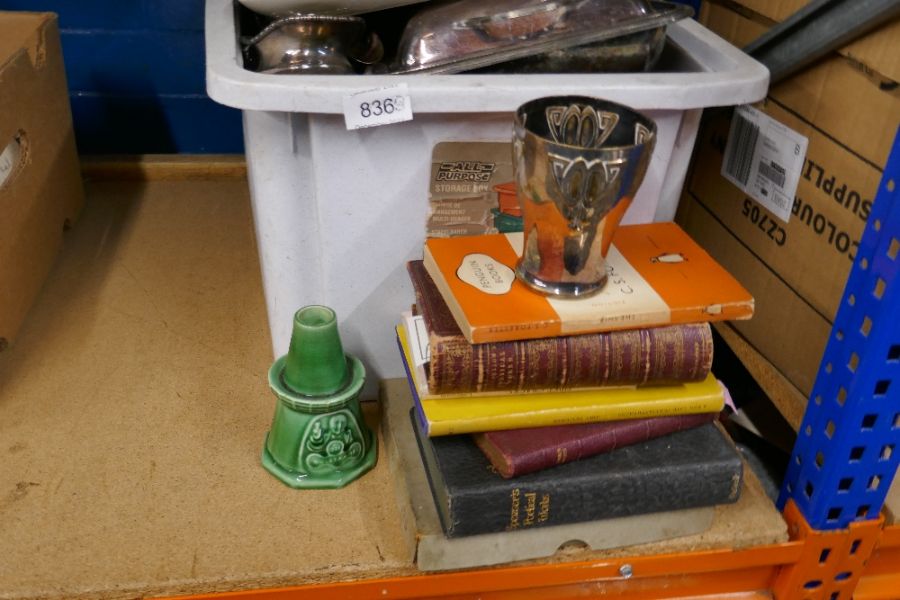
(313, 44)
(457, 36)
(631, 53)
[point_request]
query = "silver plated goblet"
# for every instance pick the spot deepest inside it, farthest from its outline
(579, 162)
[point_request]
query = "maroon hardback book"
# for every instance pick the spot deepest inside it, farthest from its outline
(654, 355)
(519, 451)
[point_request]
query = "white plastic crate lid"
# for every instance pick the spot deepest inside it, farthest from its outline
(719, 75)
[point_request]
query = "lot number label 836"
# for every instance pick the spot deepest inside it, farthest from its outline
(381, 106)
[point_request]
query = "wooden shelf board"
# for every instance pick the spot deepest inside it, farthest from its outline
(164, 167)
(133, 408)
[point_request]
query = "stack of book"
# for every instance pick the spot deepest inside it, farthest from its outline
(532, 412)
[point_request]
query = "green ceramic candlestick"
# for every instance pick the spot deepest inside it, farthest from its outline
(318, 437)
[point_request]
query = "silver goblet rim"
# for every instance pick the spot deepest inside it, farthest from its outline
(524, 110)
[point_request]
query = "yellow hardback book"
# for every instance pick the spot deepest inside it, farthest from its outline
(449, 415)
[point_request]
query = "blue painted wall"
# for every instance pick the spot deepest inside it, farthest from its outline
(136, 75)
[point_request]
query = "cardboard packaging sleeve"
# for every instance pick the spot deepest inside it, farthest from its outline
(41, 192)
(849, 109)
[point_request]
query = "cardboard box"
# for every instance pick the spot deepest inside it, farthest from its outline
(797, 270)
(827, 93)
(875, 50)
(40, 182)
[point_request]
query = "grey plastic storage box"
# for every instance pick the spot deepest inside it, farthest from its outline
(338, 213)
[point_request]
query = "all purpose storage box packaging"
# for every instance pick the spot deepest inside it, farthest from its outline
(40, 181)
(338, 213)
(849, 108)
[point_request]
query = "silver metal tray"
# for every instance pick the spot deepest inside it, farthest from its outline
(632, 53)
(455, 37)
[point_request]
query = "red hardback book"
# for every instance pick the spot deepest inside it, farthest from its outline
(519, 451)
(652, 355)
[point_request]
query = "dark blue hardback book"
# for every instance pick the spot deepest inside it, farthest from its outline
(687, 469)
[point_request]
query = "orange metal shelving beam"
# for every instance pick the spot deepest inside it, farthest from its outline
(715, 572)
(757, 572)
(881, 578)
(833, 561)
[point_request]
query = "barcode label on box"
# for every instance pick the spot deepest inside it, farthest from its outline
(381, 106)
(764, 158)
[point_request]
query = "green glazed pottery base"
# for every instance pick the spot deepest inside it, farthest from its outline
(320, 482)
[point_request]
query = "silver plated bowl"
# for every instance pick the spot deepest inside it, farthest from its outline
(313, 44)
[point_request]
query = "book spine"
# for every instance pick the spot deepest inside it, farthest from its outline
(658, 355)
(518, 452)
(455, 422)
(520, 504)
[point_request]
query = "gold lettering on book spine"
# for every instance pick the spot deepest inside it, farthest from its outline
(500, 367)
(451, 366)
(642, 356)
(639, 357)
(479, 367)
(704, 362)
(616, 352)
(530, 509)
(679, 362)
(535, 353)
(657, 345)
(561, 454)
(695, 364)
(510, 370)
(544, 513)
(574, 348)
(521, 355)
(564, 368)
(577, 363)
(597, 351)
(548, 347)
(628, 347)
(514, 509)
(569, 351)
(670, 340)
